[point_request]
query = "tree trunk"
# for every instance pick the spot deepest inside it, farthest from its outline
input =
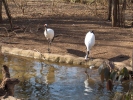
(0, 11)
(118, 13)
(8, 13)
(109, 9)
(114, 13)
(123, 13)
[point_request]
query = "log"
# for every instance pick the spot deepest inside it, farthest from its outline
(7, 85)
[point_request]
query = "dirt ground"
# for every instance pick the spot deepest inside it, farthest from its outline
(70, 22)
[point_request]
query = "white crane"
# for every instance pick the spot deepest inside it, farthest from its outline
(49, 34)
(89, 42)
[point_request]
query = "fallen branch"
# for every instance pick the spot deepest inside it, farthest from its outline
(5, 30)
(29, 26)
(8, 33)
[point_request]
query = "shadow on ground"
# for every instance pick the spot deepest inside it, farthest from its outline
(119, 58)
(76, 52)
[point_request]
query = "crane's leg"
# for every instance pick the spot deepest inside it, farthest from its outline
(87, 54)
(86, 66)
(48, 46)
(87, 57)
(90, 56)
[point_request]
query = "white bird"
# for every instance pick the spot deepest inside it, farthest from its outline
(89, 42)
(49, 34)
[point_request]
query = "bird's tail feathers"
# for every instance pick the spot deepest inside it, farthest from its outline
(55, 37)
(52, 39)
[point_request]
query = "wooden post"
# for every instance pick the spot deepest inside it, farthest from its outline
(7, 84)
(5, 72)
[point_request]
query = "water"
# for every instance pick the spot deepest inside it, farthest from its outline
(45, 81)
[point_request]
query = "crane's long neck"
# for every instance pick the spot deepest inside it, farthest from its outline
(45, 29)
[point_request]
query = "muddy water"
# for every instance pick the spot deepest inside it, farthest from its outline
(44, 81)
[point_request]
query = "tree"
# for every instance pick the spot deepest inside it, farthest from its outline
(122, 18)
(114, 12)
(109, 9)
(0, 10)
(7, 12)
(115, 4)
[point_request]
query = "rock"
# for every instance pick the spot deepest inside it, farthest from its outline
(118, 96)
(121, 65)
(10, 98)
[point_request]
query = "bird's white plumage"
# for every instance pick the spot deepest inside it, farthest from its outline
(49, 34)
(89, 40)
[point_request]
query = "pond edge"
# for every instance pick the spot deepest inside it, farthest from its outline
(56, 58)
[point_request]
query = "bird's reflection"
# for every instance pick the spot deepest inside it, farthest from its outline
(47, 75)
(89, 83)
(50, 76)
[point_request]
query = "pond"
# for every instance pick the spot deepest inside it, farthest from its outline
(41, 80)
